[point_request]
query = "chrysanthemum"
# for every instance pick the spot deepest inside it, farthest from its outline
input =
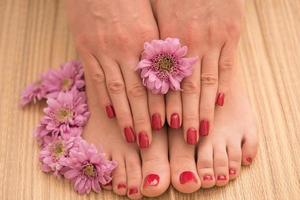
(33, 93)
(88, 169)
(163, 65)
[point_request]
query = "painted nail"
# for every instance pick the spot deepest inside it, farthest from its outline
(143, 140)
(187, 176)
(232, 171)
(121, 186)
(222, 178)
(151, 180)
(129, 134)
(204, 128)
(133, 190)
(110, 111)
(220, 99)
(191, 136)
(249, 160)
(207, 178)
(156, 122)
(175, 121)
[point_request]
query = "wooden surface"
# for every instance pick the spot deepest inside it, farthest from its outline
(34, 37)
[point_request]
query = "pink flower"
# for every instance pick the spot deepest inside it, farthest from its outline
(33, 93)
(163, 65)
(88, 169)
(53, 156)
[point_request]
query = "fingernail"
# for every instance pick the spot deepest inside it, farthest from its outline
(110, 111)
(121, 186)
(222, 178)
(175, 121)
(143, 140)
(232, 171)
(191, 136)
(207, 178)
(129, 134)
(156, 122)
(187, 176)
(151, 180)
(204, 128)
(220, 99)
(133, 190)
(249, 160)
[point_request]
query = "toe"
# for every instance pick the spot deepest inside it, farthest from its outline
(249, 148)
(156, 170)
(205, 163)
(184, 174)
(234, 159)
(220, 163)
(119, 182)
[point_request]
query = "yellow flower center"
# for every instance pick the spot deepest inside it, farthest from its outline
(89, 170)
(66, 84)
(63, 114)
(58, 149)
(165, 63)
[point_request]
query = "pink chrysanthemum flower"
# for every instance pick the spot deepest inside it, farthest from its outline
(53, 156)
(88, 169)
(68, 77)
(163, 65)
(33, 93)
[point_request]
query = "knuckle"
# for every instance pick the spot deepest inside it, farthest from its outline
(234, 29)
(190, 117)
(136, 90)
(98, 78)
(190, 87)
(140, 121)
(115, 86)
(209, 79)
(226, 64)
(207, 110)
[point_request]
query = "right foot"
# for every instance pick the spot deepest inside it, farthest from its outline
(147, 174)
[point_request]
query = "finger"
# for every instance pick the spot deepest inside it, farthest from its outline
(137, 95)
(116, 89)
(157, 110)
(226, 64)
(174, 109)
(190, 105)
(209, 86)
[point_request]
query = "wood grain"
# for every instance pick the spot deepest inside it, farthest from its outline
(34, 37)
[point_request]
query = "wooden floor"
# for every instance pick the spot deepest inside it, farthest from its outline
(34, 37)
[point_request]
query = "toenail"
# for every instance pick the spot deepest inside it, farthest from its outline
(249, 160)
(121, 186)
(143, 140)
(156, 122)
(110, 111)
(220, 99)
(232, 171)
(151, 180)
(207, 178)
(129, 134)
(133, 190)
(204, 128)
(175, 121)
(222, 178)
(187, 176)
(191, 136)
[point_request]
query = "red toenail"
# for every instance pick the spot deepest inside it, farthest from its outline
(187, 176)
(175, 121)
(207, 178)
(110, 111)
(204, 128)
(249, 160)
(133, 190)
(222, 178)
(121, 186)
(220, 99)
(143, 140)
(156, 122)
(191, 136)
(232, 171)
(129, 134)
(151, 180)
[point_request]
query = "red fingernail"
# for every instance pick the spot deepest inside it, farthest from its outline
(175, 121)
(232, 171)
(129, 134)
(220, 99)
(207, 178)
(204, 128)
(222, 178)
(191, 136)
(143, 140)
(151, 180)
(121, 186)
(156, 122)
(110, 111)
(133, 190)
(187, 176)
(249, 160)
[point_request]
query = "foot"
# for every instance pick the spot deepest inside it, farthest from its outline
(220, 154)
(138, 174)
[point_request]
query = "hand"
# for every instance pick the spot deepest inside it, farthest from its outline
(211, 30)
(109, 36)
